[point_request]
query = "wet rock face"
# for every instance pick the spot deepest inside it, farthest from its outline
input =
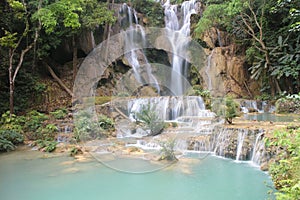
(225, 73)
(288, 106)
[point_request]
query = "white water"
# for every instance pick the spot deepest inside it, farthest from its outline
(224, 142)
(178, 21)
(171, 108)
(189, 112)
(258, 149)
(256, 106)
(208, 71)
(135, 40)
(240, 141)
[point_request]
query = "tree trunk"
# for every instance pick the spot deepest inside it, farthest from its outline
(11, 83)
(74, 57)
(58, 80)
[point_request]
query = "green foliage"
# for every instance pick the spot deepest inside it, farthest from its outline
(74, 151)
(197, 90)
(106, 123)
(6, 145)
(9, 138)
(226, 107)
(150, 118)
(213, 16)
(12, 136)
(264, 97)
(152, 10)
(86, 127)
(8, 40)
(167, 151)
(12, 122)
(10, 131)
(95, 13)
(285, 172)
(34, 120)
(74, 15)
(59, 113)
(231, 109)
(293, 10)
(270, 43)
(36, 128)
(288, 104)
(46, 145)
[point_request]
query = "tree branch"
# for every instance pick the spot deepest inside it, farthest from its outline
(58, 80)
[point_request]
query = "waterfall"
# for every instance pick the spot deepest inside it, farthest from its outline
(237, 144)
(178, 108)
(258, 148)
(256, 106)
(207, 71)
(135, 40)
(219, 38)
(178, 20)
(240, 141)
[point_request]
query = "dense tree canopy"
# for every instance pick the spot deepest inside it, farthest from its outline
(34, 28)
(269, 30)
(266, 31)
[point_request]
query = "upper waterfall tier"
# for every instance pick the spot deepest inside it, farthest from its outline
(171, 108)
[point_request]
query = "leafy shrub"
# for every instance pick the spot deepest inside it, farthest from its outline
(74, 151)
(46, 145)
(35, 127)
(34, 120)
(12, 122)
(152, 10)
(9, 138)
(10, 131)
(6, 145)
(150, 118)
(227, 108)
(288, 104)
(86, 127)
(12, 135)
(197, 90)
(285, 172)
(47, 132)
(106, 123)
(167, 151)
(59, 113)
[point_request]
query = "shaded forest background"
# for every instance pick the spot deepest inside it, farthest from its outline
(35, 33)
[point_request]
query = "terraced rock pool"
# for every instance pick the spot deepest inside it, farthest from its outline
(28, 175)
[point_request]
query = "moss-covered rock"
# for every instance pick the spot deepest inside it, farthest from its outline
(285, 105)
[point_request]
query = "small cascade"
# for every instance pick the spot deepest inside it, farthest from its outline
(237, 144)
(208, 71)
(181, 145)
(248, 106)
(178, 20)
(240, 141)
(64, 133)
(182, 108)
(135, 40)
(146, 145)
(219, 38)
(258, 149)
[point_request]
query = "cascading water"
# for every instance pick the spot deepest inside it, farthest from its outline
(208, 71)
(171, 108)
(195, 127)
(135, 35)
(258, 149)
(178, 21)
(240, 141)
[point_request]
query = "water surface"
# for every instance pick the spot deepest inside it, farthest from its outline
(26, 176)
